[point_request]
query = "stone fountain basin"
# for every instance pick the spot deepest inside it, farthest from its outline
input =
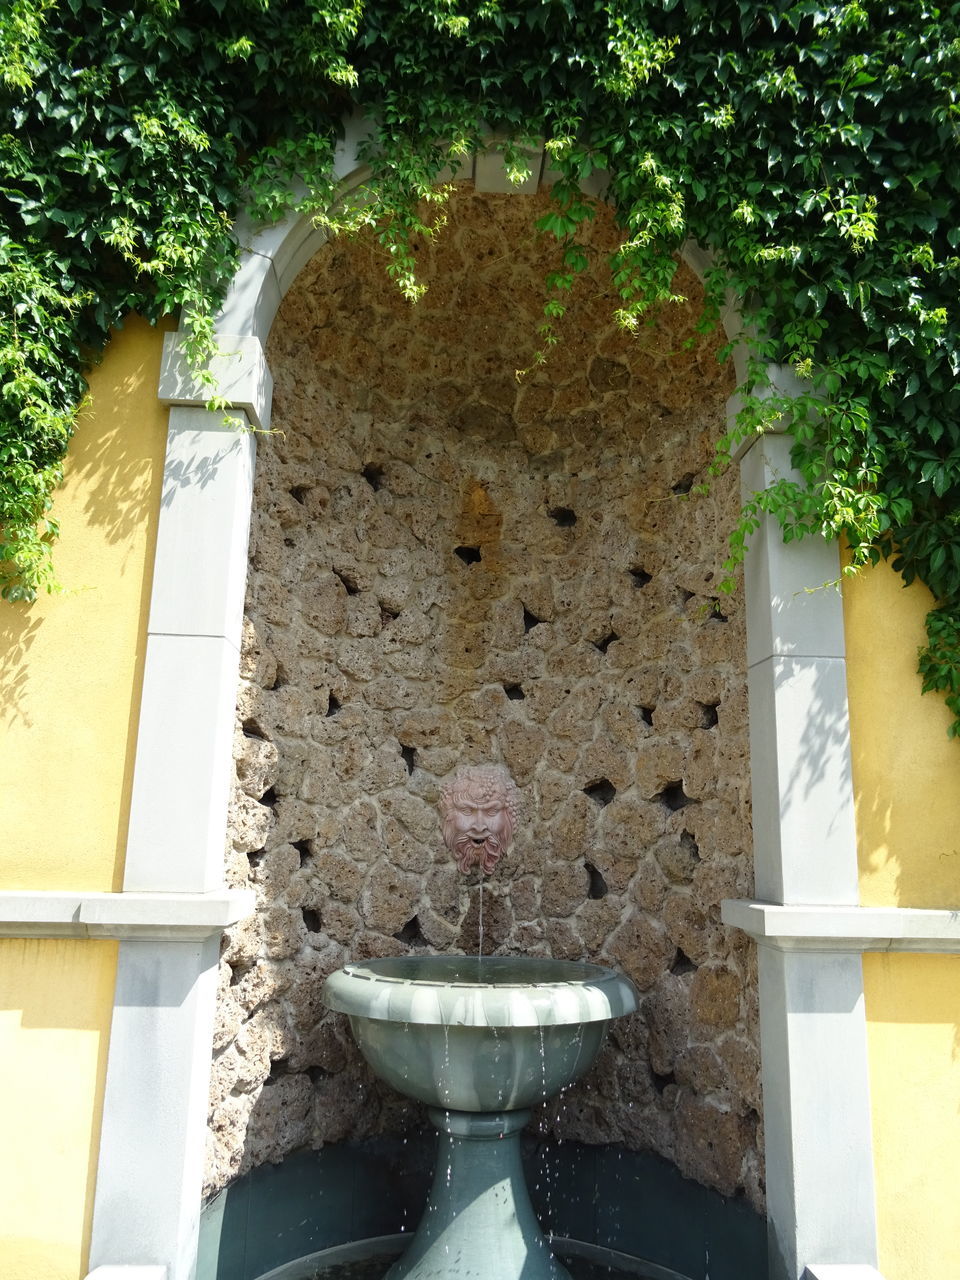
(462, 1033)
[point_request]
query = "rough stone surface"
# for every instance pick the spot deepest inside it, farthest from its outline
(451, 565)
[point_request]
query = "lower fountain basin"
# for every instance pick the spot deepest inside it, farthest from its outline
(463, 1033)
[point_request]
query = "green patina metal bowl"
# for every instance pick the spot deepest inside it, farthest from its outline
(469, 1034)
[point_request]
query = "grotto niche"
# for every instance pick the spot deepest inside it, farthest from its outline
(450, 565)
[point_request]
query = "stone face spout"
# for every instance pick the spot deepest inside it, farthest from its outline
(480, 1041)
(479, 807)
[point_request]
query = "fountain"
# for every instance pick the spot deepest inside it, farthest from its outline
(479, 1039)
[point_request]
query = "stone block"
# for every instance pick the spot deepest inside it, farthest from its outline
(711, 1142)
(388, 899)
(642, 948)
(715, 996)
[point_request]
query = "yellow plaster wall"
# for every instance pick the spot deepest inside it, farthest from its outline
(906, 771)
(906, 775)
(71, 664)
(70, 678)
(56, 998)
(913, 1033)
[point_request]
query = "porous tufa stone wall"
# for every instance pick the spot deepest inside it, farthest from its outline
(451, 565)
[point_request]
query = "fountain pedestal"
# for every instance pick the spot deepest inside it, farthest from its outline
(480, 1041)
(478, 1221)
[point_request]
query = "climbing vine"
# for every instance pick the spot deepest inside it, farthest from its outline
(811, 146)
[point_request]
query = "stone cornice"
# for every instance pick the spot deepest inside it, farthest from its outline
(26, 913)
(842, 928)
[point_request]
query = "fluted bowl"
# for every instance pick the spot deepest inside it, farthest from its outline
(469, 1034)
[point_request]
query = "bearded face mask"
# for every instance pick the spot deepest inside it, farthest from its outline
(478, 808)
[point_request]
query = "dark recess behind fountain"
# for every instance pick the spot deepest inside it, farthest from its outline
(633, 1202)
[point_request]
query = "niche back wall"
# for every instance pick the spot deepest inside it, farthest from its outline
(451, 565)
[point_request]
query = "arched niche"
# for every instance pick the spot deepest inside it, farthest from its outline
(449, 565)
(812, 1025)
